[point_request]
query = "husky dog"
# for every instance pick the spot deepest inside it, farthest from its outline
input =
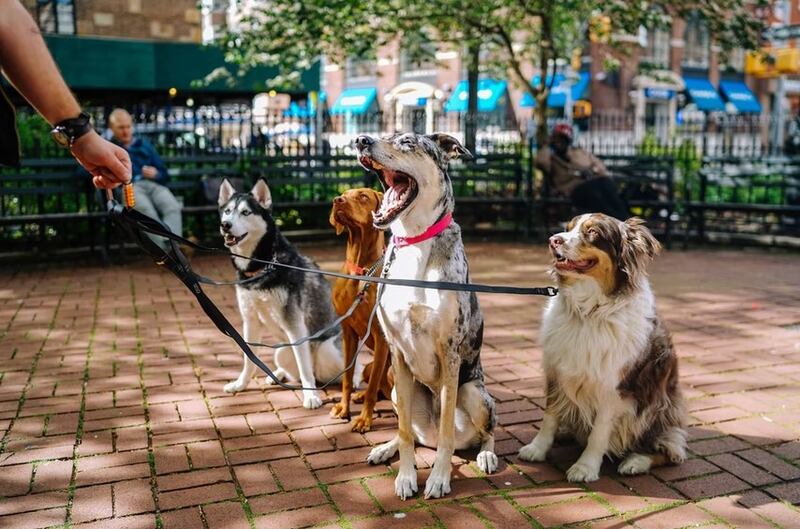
(609, 363)
(435, 336)
(289, 304)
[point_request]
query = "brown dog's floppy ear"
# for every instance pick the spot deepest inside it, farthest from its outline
(379, 197)
(639, 247)
(450, 146)
(338, 226)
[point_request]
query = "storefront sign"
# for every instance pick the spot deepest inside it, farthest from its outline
(659, 93)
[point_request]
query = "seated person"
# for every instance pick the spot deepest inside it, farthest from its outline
(153, 198)
(579, 175)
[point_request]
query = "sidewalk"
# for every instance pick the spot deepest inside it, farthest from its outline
(112, 413)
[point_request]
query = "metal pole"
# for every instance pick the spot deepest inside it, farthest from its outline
(778, 115)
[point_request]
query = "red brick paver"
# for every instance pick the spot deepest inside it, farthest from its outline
(112, 413)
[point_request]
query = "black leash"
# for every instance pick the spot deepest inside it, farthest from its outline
(175, 261)
(145, 223)
(135, 224)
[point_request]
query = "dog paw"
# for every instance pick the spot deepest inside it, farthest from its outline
(533, 452)
(362, 423)
(438, 484)
(382, 453)
(581, 472)
(340, 410)
(635, 464)
(280, 374)
(235, 387)
(358, 396)
(311, 400)
(487, 462)
(405, 485)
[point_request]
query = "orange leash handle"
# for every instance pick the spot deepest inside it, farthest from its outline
(127, 191)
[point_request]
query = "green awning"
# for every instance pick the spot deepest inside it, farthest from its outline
(95, 63)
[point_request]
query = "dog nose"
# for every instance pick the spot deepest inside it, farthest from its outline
(339, 200)
(556, 240)
(226, 226)
(364, 141)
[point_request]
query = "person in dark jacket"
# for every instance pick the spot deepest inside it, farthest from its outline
(153, 197)
(578, 174)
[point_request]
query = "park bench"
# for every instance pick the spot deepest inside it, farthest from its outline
(754, 200)
(42, 201)
(647, 183)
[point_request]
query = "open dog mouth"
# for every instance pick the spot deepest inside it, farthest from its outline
(232, 240)
(400, 190)
(580, 266)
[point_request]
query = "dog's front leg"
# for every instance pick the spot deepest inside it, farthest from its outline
(249, 326)
(405, 485)
(587, 467)
(349, 345)
(537, 449)
(438, 483)
(305, 366)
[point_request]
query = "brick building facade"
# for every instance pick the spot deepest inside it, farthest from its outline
(175, 20)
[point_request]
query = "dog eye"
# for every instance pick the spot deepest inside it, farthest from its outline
(245, 212)
(592, 232)
(362, 197)
(227, 211)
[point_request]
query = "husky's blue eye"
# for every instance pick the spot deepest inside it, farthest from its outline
(245, 212)
(227, 211)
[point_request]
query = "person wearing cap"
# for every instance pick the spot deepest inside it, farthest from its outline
(579, 175)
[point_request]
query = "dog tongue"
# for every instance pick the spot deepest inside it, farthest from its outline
(388, 176)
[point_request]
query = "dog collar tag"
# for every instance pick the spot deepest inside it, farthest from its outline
(435, 229)
(354, 269)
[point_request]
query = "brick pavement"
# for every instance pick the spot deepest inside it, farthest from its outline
(112, 414)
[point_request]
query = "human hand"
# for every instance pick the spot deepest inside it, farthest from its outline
(108, 164)
(148, 171)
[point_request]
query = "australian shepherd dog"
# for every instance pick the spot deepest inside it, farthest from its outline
(609, 363)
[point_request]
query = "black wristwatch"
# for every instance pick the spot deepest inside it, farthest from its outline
(66, 132)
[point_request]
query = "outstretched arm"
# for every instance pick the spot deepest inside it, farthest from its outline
(27, 63)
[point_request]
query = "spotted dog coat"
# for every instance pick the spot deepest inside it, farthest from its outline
(288, 303)
(611, 369)
(435, 336)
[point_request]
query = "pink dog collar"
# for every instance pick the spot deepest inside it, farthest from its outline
(435, 229)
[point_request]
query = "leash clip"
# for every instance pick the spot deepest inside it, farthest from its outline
(551, 291)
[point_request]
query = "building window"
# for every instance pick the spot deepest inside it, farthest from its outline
(696, 38)
(656, 50)
(735, 60)
(56, 16)
(359, 70)
(421, 65)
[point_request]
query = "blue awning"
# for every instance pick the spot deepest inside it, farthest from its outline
(490, 92)
(742, 98)
(558, 94)
(354, 101)
(703, 93)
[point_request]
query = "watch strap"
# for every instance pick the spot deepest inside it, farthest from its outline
(75, 127)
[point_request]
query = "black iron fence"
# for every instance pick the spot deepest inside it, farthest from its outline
(689, 176)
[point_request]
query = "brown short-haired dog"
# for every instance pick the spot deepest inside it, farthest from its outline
(352, 211)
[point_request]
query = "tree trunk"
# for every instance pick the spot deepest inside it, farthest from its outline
(471, 117)
(540, 95)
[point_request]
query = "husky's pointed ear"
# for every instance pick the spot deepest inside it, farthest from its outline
(261, 192)
(226, 191)
(450, 146)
